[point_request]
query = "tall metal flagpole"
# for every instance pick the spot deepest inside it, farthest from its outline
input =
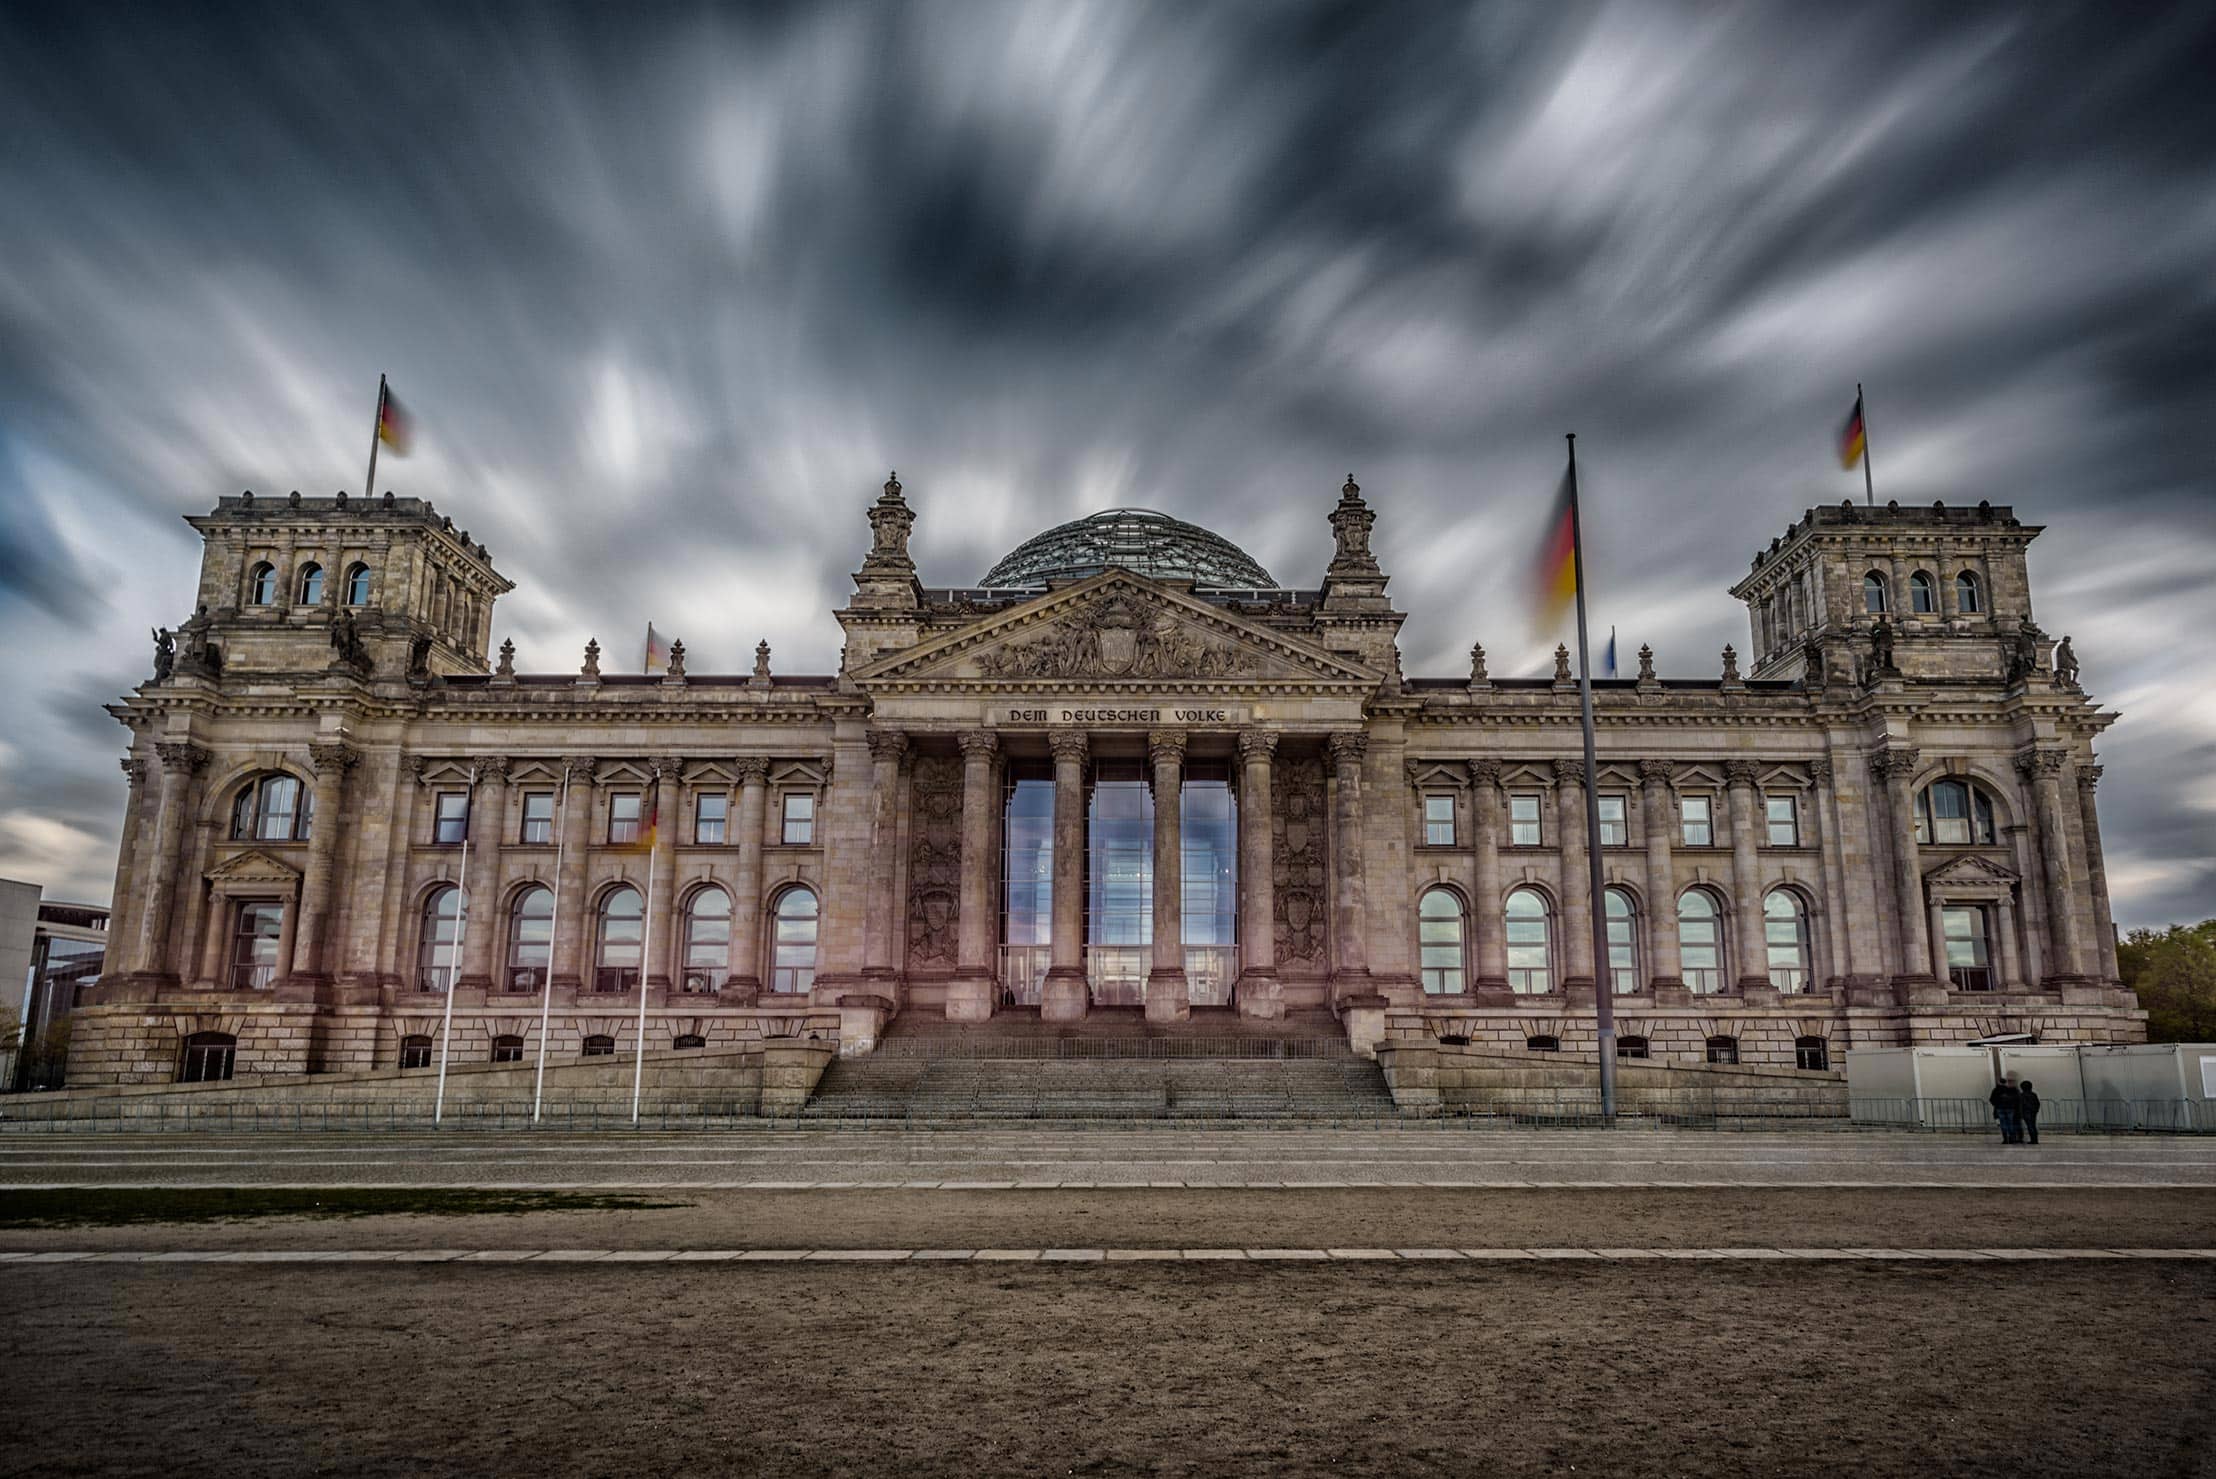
(646, 964)
(376, 428)
(553, 933)
(454, 948)
(1869, 485)
(1604, 979)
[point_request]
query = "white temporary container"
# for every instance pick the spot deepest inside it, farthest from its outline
(2162, 1085)
(2054, 1072)
(1938, 1087)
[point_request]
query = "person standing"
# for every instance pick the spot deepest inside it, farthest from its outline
(2005, 1100)
(2027, 1114)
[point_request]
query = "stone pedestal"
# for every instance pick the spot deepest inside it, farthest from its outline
(1260, 996)
(969, 999)
(1063, 997)
(862, 1017)
(1363, 1017)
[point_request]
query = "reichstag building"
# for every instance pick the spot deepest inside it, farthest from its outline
(1127, 771)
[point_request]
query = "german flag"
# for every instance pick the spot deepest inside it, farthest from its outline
(1854, 439)
(395, 428)
(1554, 577)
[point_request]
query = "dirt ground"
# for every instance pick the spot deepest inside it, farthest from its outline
(1139, 1217)
(1652, 1369)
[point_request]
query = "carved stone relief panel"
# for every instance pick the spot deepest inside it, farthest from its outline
(935, 859)
(1115, 636)
(1298, 824)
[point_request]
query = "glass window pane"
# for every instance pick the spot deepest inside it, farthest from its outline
(710, 810)
(1438, 821)
(538, 816)
(1784, 821)
(1698, 829)
(1523, 820)
(799, 828)
(1615, 830)
(623, 816)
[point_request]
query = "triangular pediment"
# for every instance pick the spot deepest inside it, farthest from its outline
(253, 866)
(1112, 630)
(1970, 868)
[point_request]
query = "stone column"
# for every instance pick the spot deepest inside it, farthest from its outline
(1895, 768)
(2042, 771)
(214, 937)
(1656, 796)
(570, 933)
(969, 996)
(1936, 926)
(179, 762)
(1260, 994)
(2009, 966)
(746, 903)
(1577, 884)
(1830, 934)
(1350, 969)
(1168, 997)
(1064, 996)
(669, 819)
(1488, 927)
(1747, 821)
(2103, 958)
(122, 914)
(488, 805)
(331, 762)
(888, 752)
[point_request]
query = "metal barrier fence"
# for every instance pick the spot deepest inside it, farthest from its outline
(2056, 1116)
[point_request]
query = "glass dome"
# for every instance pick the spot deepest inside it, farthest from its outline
(1134, 539)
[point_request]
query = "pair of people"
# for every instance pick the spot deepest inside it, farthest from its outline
(2016, 1106)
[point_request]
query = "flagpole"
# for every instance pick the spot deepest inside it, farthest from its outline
(1869, 485)
(1604, 979)
(646, 963)
(553, 933)
(376, 426)
(454, 948)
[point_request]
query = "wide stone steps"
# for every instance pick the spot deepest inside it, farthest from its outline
(1104, 1087)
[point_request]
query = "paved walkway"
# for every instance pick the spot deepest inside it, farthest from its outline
(1088, 1255)
(1029, 1158)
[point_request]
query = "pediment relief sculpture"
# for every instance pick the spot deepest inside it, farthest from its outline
(1969, 868)
(253, 866)
(1118, 637)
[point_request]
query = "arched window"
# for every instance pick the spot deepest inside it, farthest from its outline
(311, 584)
(621, 935)
(1700, 940)
(271, 808)
(261, 585)
(1631, 1047)
(1923, 595)
(1623, 941)
(207, 1058)
(415, 1051)
(1873, 594)
(530, 938)
(1812, 1054)
(1544, 1043)
(792, 958)
(1439, 940)
(707, 939)
(690, 1040)
(357, 584)
(1723, 1050)
(1954, 813)
(1785, 929)
(1969, 596)
(437, 948)
(507, 1048)
(1530, 943)
(600, 1045)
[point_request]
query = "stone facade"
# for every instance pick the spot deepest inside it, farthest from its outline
(1884, 834)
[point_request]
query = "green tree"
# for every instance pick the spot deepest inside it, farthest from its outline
(2174, 972)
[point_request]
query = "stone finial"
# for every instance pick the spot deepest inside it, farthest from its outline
(1561, 662)
(338, 500)
(507, 667)
(293, 499)
(1479, 678)
(676, 670)
(761, 662)
(1646, 663)
(1731, 663)
(591, 670)
(1351, 522)
(890, 520)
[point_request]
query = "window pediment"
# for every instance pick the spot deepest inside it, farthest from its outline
(254, 867)
(1970, 874)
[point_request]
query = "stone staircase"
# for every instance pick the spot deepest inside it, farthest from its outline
(1113, 1066)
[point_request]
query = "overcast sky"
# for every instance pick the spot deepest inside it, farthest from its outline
(670, 289)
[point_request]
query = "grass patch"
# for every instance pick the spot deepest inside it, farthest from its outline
(104, 1207)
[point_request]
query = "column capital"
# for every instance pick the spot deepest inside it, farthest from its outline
(490, 770)
(1895, 760)
(578, 769)
(1348, 746)
(1069, 744)
(1165, 746)
(667, 767)
(753, 770)
(1569, 772)
(978, 744)
(2088, 776)
(1657, 774)
(134, 769)
(1743, 772)
(888, 744)
(332, 758)
(1819, 770)
(2040, 762)
(1484, 773)
(1257, 744)
(181, 758)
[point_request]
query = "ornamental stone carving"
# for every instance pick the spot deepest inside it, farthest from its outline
(1297, 826)
(181, 759)
(2088, 776)
(1257, 744)
(1348, 747)
(1068, 744)
(1569, 772)
(890, 519)
(2040, 764)
(1115, 636)
(934, 860)
(976, 742)
(332, 758)
(1819, 770)
(578, 769)
(667, 768)
(1165, 746)
(1657, 772)
(1895, 760)
(887, 744)
(1485, 773)
(1743, 772)
(1351, 522)
(751, 769)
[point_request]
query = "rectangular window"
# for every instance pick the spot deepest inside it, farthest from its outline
(709, 812)
(1438, 821)
(623, 817)
(1969, 959)
(800, 819)
(1697, 822)
(452, 823)
(1615, 830)
(538, 816)
(1523, 820)
(261, 926)
(1783, 813)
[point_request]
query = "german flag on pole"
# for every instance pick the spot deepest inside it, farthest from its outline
(1554, 578)
(395, 428)
(1854, 439)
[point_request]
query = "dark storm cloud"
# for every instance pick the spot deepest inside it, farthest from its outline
(670, 288)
